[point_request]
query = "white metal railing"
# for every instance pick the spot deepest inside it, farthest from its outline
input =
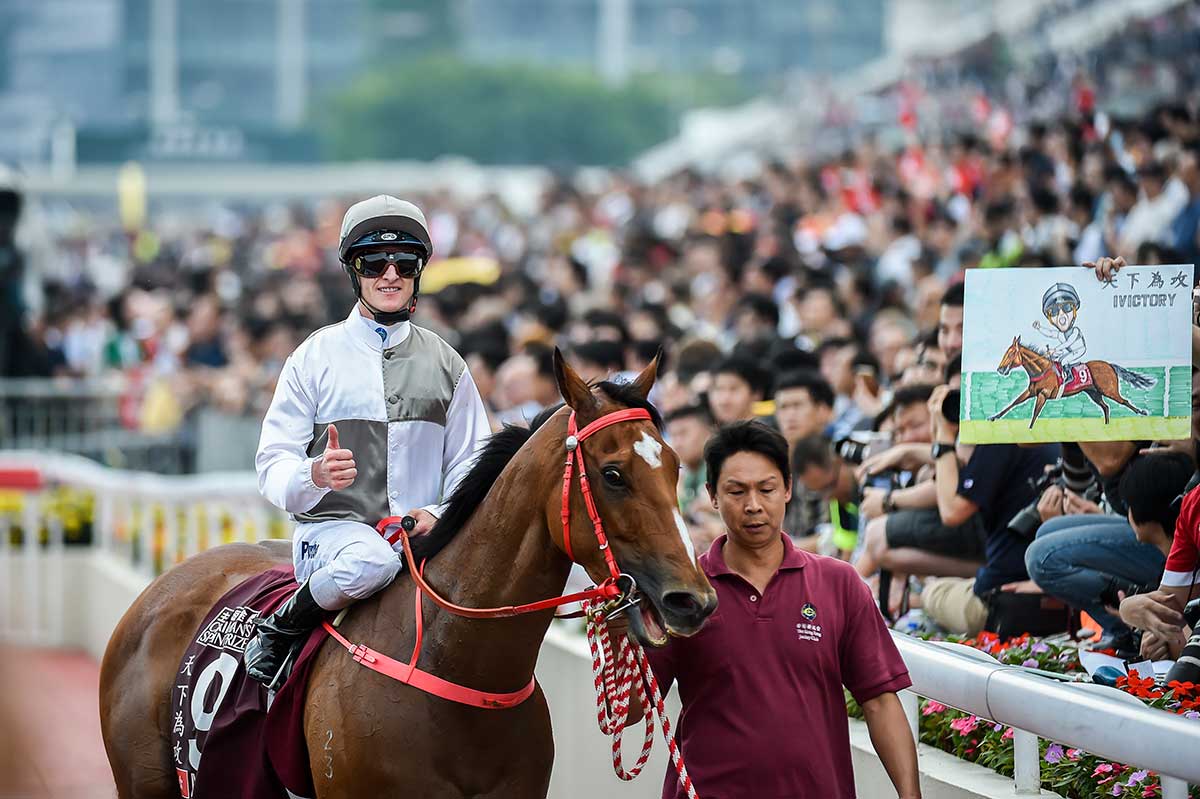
(1103, 721)
(147, 521)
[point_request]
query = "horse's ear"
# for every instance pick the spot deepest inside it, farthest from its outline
(645, 381)
(571, 386)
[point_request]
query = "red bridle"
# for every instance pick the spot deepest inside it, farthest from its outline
(609, 592)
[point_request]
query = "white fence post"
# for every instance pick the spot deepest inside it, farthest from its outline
(912, 709)
(55, 551)
(1173, 788)
(1027, 763)
(6, 577)
(30, 528)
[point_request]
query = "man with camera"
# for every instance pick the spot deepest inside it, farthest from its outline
(905, 533)
(993, 483)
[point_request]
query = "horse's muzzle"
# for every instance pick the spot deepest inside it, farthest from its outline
(683, 612)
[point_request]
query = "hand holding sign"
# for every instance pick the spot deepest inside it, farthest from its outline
(335, 468)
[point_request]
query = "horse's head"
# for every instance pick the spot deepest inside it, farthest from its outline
(1012, 357)
(633, 475)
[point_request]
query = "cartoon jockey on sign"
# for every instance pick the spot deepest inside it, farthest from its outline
(1057, 371)
(1060, 304)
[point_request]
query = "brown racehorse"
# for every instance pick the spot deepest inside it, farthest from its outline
(373, 736)
(1045, 384)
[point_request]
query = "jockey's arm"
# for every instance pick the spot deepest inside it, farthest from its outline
(1047, 332)
(282, 462)
(467, 427)
(1074, 347)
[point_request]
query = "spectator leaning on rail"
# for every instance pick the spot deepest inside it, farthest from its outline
(764, 712)
(1164, 515)
(411, 420)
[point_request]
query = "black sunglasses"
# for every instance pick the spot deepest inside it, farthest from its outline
(374, 264)
(1065, 307)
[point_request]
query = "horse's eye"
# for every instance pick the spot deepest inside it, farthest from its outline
(613, 477)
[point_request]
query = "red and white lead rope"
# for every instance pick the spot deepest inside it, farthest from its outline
(615, 679)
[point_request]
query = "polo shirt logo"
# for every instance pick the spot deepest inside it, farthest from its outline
(808, 630)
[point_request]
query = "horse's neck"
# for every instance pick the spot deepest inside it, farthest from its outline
(1034, 362)
(502, 556)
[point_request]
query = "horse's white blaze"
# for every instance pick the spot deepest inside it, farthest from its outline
(649, 449)
(683, 533)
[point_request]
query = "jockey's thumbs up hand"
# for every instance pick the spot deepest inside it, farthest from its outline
(335, 468)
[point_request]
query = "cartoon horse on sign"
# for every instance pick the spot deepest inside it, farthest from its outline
(503, 542)
(1096, 379)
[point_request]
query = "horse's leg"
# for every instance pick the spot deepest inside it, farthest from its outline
(135, 688)
(1037, 408)
(1110, 385)
(1096, 397)
(1024, 395)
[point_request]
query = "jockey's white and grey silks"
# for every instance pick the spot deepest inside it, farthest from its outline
(404, 403)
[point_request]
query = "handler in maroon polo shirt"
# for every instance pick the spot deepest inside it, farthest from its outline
(764, 716)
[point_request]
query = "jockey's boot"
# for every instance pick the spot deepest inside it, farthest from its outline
(265, 655)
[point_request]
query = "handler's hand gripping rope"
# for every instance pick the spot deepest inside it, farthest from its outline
(616, 675)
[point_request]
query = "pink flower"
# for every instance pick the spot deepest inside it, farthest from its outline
(1103, 768)
(965, 725)
(1008, 735)
(933, 707)
(1073, 754)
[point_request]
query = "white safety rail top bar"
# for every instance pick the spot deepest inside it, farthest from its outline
(195, 511)
(1100, 720)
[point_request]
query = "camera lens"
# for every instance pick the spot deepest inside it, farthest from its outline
(950, 405)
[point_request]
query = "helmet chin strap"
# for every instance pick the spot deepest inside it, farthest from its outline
(387, 317)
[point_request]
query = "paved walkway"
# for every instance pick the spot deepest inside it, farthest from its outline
(50, 746)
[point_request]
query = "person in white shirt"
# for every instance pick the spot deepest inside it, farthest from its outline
(372, 417)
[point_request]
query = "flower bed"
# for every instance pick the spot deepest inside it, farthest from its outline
(1070, 772)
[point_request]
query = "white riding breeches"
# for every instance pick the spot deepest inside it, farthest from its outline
(344, 560)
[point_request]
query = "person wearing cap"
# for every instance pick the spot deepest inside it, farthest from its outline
(372, 417)
(1060, 304)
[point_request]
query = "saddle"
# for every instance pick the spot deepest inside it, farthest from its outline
(231, 737)
(1080, 378)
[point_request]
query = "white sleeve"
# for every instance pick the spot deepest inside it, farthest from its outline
(467, 428)
(1075, 346)
(282, 462)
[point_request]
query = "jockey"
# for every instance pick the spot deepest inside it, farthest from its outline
(1060, 304)
(372, 417)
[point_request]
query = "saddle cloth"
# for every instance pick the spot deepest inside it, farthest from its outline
(230, 738)
(1079, 379)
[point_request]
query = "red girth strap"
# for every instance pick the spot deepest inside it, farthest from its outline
(409, 674)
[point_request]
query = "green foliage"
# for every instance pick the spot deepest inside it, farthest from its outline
(438, 106)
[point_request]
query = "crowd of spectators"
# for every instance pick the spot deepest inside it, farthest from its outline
(824, 298)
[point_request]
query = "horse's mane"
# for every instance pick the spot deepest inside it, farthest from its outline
(500, 448)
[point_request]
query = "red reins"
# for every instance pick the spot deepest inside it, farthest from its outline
(608, 591)
(627, 669)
